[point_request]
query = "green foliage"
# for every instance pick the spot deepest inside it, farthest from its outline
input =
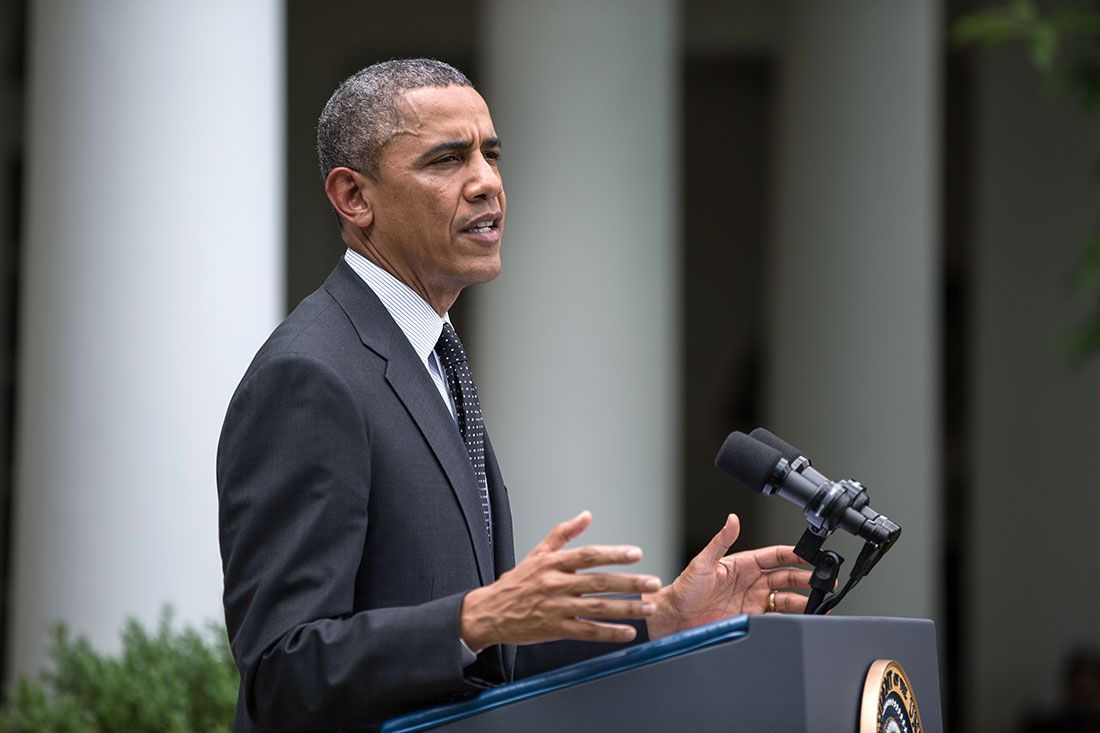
(1064, 46)
(1086, 339)
(167, 681)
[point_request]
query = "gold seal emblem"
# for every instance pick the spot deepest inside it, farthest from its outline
(889, 705)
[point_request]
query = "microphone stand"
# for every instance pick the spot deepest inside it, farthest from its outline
(827, 568)
(822, 519)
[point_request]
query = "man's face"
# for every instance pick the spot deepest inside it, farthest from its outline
(438, 201)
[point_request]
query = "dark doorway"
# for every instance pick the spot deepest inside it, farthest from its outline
(727, 111)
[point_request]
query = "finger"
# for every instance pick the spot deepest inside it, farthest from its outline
(790, 602)
(604, 607)
(720, 543)
(563, 533)
(788, 578)
(587, 583)
(588, 630)
(591, 556)
(775, 556)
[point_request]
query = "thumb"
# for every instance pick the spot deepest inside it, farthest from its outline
(720, 543)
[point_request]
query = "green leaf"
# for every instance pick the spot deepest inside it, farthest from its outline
(995, 26)
(1077, 21)
(1087, 278)
(1084, 342)
(1044, 47)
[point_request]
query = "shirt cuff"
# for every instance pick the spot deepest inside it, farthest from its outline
(468, 656)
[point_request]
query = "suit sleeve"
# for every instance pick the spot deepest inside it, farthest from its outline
(294, 473)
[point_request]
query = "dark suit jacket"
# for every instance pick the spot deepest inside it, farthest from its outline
(351, 527)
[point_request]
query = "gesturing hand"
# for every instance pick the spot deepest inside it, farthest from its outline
(715, 586)
(544, 598)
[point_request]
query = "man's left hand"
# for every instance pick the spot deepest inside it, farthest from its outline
(715, 586)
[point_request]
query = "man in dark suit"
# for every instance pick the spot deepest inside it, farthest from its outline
(366, 546)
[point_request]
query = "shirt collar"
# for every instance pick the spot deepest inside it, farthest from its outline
(416, 319)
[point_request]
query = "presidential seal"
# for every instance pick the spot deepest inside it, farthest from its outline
(889, 705)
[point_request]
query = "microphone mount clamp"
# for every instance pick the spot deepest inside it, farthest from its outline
(823, 516)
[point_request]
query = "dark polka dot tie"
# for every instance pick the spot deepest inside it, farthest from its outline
(461, 383)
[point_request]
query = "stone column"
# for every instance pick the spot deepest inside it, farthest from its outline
(854, 351)
(152, 270)
(577, 340)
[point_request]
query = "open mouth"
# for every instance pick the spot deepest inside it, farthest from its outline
(484, 225)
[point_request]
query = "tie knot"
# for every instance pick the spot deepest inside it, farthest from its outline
(449, 348)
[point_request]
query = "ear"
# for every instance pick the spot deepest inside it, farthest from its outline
(347, 192)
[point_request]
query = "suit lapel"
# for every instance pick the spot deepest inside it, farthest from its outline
(418, 393)
(413, 385)
(504, 555)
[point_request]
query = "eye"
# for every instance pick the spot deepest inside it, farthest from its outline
(445, 159)
(492, 155)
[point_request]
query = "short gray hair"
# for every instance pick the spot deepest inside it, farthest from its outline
(361, 116)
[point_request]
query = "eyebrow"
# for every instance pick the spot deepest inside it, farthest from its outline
(455, 146)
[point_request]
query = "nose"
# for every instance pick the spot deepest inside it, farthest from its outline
(485, 181)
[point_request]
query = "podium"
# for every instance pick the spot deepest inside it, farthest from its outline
(757, 674)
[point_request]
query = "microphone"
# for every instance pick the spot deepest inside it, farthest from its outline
(798, 461)
(767, 464)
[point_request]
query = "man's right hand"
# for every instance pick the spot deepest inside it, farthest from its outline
(545, 598)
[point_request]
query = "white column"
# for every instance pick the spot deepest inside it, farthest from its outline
(854, 352)
(578, 337)
(152, 270)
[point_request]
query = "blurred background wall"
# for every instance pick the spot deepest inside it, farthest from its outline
(817, 217)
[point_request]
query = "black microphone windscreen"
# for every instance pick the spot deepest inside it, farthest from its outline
(769, 438)
(747, 460)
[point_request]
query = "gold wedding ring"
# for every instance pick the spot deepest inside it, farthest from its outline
(771, 601)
